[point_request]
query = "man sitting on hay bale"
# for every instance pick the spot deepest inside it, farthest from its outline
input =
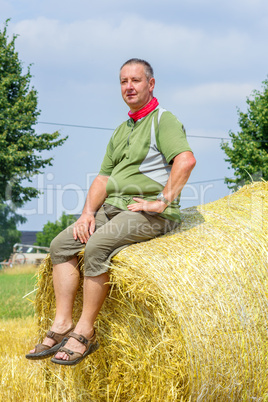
(134, 198)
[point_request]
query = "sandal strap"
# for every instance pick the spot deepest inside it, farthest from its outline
(41, 348)
(56, 336)
(81, 338)
(70, 352)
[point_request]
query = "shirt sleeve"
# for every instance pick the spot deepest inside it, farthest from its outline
(107, 163)
(171, 139)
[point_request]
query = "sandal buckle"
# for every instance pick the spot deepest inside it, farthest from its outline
(83, 340)
(51, 334)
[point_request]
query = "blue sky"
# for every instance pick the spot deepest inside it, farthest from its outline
(208, 57)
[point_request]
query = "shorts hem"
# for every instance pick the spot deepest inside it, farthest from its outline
(62, 259)
(94, 273)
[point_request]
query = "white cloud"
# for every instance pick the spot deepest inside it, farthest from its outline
(194, 69)
(96, 41)
(214, 92)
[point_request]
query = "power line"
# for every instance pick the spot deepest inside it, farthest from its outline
(211, 138)
(86, 189)
(206, 181)
(76, 125)
(112, 129)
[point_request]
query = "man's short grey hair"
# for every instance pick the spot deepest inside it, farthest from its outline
(149, 72)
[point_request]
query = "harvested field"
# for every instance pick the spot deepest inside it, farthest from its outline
(19, 381)
(186, 318)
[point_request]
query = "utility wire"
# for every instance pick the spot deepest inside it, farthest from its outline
(86, 189)
(76, 125)
(112, 129)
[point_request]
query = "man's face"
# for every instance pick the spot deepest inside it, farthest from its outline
(136, 90)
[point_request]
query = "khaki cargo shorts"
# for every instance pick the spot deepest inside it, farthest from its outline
(115, 229)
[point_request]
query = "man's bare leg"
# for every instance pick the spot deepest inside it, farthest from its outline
(95, 291)
(66, 281)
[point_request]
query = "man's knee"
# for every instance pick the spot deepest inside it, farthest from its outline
(55, 247)
(63, 246)
(91, 250)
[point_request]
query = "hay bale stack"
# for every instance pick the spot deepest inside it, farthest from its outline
(187, 315)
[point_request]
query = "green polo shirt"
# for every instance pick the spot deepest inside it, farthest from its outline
(138, 159)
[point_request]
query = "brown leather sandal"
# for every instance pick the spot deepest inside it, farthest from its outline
(43, 351)
(75, 357)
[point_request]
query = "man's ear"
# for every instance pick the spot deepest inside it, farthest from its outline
(151, 84)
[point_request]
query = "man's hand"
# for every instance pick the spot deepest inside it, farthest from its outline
(84, 227)
(147, 206)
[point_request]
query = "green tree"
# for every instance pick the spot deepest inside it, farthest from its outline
(9, 235)
(51, 230)
(248, 154)
(20, 146)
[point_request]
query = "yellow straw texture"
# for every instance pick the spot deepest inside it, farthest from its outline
(186, 317)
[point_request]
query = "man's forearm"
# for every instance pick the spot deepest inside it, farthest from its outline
(183, 164)
(96, 195)
(181, 169)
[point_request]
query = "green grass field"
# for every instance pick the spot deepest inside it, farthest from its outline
(14, 285)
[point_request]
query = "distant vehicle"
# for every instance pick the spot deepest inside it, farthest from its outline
(27, 254)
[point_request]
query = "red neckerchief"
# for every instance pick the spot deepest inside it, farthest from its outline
(144, 111)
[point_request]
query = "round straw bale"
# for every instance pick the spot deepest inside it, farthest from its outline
(186, 317)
